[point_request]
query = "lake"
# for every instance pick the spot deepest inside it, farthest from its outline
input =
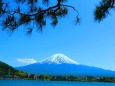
(50, 83)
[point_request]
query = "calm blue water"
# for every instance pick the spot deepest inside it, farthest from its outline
(50, 83)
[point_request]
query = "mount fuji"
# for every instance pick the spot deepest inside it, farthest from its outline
(58, 59)
(60, 64)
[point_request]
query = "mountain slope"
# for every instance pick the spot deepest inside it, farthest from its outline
(5, 69)
(59, 64)
(58, 59)
(66, 69)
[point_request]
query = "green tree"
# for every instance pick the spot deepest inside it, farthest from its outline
(90, 78)
(103, 9)
(5, 69)
(32, 12)
(21, 74)
(45, 77)
(37, 12)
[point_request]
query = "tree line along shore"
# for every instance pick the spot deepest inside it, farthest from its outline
(8, 72)
(57, 78)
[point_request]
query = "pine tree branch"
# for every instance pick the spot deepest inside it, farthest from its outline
(72, 8)
(52, 8)
(113, 2)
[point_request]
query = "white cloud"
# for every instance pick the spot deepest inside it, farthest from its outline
(27, 60)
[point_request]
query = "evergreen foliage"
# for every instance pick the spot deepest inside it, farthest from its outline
(103, 9)
(5, 69)
(73, 78)
(37, 12)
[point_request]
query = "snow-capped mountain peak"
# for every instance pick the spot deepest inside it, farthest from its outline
(58, 59)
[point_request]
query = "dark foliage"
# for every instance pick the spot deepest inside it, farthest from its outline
(103, 9)
(35, 12)
(16, 13)
(5, 69)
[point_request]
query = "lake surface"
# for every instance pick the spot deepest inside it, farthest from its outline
(50, 83)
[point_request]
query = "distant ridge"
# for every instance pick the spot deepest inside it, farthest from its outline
(59, 64)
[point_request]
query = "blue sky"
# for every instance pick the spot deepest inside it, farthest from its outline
(90, 43)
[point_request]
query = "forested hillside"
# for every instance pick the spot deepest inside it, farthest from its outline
(5, 69)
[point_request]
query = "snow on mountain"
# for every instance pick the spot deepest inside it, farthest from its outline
(58, 59)
(60, 64)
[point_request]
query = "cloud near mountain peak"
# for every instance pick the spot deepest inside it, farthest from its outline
(26, 60)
